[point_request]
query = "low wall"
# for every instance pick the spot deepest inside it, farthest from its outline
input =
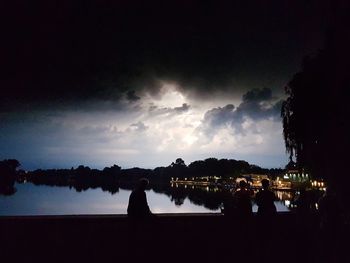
(167, 237)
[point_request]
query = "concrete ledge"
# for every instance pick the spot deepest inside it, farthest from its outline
(118, 216)
(207, 237)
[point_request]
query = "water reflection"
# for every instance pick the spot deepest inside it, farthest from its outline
(285, 195)
(52, 200)
(212, 197)
(287, 200)
(167, 198)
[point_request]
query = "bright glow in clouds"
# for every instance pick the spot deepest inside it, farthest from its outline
(170, 97)
(149, 132)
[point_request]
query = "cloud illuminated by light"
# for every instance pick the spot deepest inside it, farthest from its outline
(153, 131)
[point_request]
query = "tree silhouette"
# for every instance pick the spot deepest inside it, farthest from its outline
(316, 113)
(8, 176)
(178, 169)
(180, 162)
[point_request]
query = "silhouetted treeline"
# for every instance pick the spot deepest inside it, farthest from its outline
(211, 167)
(111, 178)
(8, 176)
(81, 178)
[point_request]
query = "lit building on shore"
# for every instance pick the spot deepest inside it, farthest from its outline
(300, 178)
(297, 175)
(320, 185)
(281, 184)
(253, 179)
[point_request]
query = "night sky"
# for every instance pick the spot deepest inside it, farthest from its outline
(141, 83)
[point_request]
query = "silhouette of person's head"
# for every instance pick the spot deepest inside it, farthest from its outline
(330, 191)
(143, 182)
(242, 184)
(265, 183)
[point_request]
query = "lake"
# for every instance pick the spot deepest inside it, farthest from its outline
(31, 199)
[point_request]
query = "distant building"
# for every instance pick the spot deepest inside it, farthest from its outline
(281, 184)
(253, 179)
(297, 175)
(293, 178)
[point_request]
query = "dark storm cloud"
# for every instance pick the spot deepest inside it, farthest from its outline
(83, 51)
(257, 95)
(138, 127)
(185, 107)
(155, 110)
(219, 116)
(257, 104)
(131, 96)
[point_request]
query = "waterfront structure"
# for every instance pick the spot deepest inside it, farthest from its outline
(292, 179)
(196, 183)
(297, 175)
(320, 185)
(281, 184)
(253, 179)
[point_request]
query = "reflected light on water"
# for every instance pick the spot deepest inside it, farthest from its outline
(46, 200)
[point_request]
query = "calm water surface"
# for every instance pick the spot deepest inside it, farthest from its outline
(47, 200)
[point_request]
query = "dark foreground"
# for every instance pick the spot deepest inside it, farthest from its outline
(169, 238)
